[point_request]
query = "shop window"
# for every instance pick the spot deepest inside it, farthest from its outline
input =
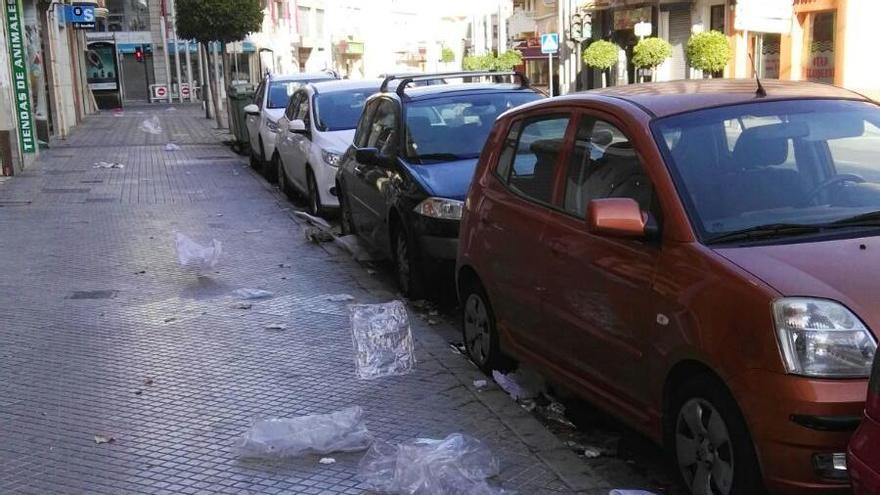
(820, 52)
(716, 18)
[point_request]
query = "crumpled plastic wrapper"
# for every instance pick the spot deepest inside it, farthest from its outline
(249, 294)
(151, 125)
(458, 464)
(383, 343)
(340, 431)
(191, 254)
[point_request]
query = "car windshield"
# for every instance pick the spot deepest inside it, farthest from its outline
(280, 91)
(455, 127)
(778, 166)
(340, 110)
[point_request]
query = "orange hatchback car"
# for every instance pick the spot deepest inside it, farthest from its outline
(698, 258)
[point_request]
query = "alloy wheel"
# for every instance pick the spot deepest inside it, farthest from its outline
(477, 334)
(704, 449)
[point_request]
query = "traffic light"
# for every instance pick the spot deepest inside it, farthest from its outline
(581, 27)
(139, 54)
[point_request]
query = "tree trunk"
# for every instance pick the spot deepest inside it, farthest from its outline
(205, 80)
(604, 79)
(214, 94)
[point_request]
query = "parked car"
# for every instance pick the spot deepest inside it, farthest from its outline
(418, 82)
(695, 258)
(315, 130)
(863, 461)
(403, 180)
(270, 100)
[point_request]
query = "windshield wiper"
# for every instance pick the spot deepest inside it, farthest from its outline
(447, 157)
(768, 231)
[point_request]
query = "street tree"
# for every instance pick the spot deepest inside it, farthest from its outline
(507, 60)
(447, 55)
(651, 52)
(708, 51)
(217, 21)
(601, 55)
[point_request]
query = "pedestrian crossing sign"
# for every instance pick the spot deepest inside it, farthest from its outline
(549, 43)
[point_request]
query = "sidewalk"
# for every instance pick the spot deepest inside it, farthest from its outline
(101, 333)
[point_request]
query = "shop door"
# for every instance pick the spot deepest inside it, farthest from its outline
(135, 76)
(679, 32)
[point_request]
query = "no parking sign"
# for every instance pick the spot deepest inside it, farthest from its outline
(158, 92)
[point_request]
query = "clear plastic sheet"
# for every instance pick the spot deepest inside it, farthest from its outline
(458, 464)
(151, 125)
(190, 254)
(383, 343)
(249, 294)
(340, 431)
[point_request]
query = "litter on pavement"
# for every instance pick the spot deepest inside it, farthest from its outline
(480, 383)
(190, 254)
(172, 147)
(383, 343)
(455, 465)
(108, 165)
(327, 460)
(99, 439)
(316, 221)
(151, 125)
(340, 431)
(252, 293)
(340, 298)
(276, 326)
(521, 384)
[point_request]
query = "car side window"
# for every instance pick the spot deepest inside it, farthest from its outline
(604, 164)
(258, 96)
(363, 128)
(383, 130)
(303, 111)
(292, 108)
(534, 157)
(508, 151)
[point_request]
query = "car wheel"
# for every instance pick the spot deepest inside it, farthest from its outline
(409, 277)
(283, 183)
(479, 331)
(346, 220)
(710, 441)
(315, 208)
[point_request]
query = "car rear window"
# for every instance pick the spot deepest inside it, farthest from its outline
(280, 91)
(340, 110)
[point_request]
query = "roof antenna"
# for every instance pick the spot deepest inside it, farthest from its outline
(760, 92)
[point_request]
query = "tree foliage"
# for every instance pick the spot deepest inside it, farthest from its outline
(708, 51)
(218, 20)
(447, 55)
(506, 61)
(601, 54)
(651, 52)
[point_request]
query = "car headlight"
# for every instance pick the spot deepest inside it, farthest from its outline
(447, 209)
(272, 126)
(822, 338)
(331, 158)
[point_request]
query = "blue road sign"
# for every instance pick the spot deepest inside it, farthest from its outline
(549, 43)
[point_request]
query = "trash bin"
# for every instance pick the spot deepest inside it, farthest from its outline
(239, 96)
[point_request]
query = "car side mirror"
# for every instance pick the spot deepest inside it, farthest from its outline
(619, 217)
(297, 126)
(252, 109)
(367, 156)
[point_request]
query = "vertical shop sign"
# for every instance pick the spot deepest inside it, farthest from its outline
(18, 61)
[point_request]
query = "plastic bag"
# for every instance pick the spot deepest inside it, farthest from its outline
(521, 384)
(340, 431)
(172, 147)
(103, 164)
(151, 125)
(193, 255)
(458, 464)
(383, 343)
(252, 293)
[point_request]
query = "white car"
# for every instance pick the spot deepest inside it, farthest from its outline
(315, 130)
(270, 100)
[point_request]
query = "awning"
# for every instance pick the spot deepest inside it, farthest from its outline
(529, 51)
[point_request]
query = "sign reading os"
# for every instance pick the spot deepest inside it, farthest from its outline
(18, 63)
